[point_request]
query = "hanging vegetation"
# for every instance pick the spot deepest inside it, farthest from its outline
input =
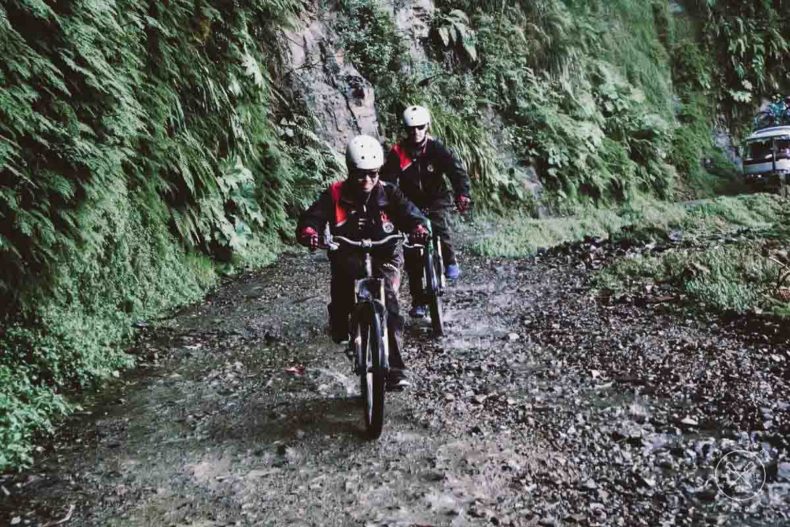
(136, 139)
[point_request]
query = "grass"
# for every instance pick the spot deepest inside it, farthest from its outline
(518, 236)
(740, 277)
(733, 255)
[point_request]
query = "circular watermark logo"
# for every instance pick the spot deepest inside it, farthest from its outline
(740, 475)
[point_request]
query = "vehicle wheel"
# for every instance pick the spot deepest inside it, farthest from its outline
(371, 374)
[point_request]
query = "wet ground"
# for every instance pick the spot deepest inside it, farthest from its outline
(544, 405)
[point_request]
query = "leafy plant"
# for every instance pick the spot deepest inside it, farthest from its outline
(136, 138)
(453, 31)
(749, 43)
(369, 36)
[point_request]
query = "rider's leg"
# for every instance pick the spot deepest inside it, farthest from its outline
(390, 269)
(441, 227)
(341, 290)
(397, 378)
(414, 270)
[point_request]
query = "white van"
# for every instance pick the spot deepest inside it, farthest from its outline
(766, 158)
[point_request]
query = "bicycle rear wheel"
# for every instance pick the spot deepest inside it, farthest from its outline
(372, 376)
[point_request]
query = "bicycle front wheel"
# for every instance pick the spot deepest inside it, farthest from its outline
(437, 315)
(372, 375)
(433, 293)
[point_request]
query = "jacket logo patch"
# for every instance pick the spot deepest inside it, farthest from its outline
(429, 168)
(386, 224)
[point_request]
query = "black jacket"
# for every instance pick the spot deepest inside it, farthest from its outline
(420, 175)
(376, 215)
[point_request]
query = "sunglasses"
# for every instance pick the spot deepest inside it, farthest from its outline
(362, 175)
(420, 128)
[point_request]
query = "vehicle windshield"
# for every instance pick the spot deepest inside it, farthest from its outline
(759, 149)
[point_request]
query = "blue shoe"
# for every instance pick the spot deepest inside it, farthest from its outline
(418, 312)
(452, 272)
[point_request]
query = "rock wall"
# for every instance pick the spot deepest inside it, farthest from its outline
(413, 20)
(343, 101)
(332, 89)
(330, 86)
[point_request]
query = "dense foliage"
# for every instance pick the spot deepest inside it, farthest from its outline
(138, 138)
(747, 50)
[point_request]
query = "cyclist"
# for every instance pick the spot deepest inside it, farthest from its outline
(418, 165)
(363, 207)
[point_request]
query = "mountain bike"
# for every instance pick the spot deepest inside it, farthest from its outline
(369, 344)
(434, 281)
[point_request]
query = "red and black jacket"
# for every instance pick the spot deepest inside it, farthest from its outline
(420, 174)
(356, 215)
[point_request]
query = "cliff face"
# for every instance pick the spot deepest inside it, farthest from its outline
(327, 82)
(330, 87)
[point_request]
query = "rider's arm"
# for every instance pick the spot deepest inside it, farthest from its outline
(405, 213)
(454, 168)
(317, 215)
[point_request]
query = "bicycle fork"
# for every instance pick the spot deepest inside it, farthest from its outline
(356, 341)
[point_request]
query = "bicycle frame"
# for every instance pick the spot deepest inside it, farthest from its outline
(369, 289)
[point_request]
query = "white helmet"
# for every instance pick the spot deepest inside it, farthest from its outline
(364, 153)
(416, 116)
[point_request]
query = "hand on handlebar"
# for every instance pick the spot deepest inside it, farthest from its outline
(419, 235)
(309, 238)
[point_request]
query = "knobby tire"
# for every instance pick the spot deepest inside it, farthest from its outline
(371, 374)
(434, 301)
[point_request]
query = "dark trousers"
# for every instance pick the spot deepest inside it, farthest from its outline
(440, 227)
(347, 267)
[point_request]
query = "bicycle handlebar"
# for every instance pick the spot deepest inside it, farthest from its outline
(365, 243)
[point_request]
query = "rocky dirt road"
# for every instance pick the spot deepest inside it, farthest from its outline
(542, 406)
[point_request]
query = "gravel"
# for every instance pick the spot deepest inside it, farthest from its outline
(544, 405)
